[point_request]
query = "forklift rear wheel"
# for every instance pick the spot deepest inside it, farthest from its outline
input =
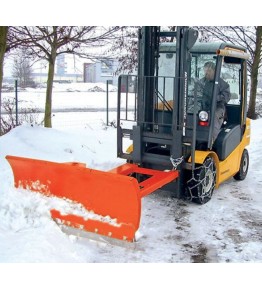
(205, 180)
(242, 173)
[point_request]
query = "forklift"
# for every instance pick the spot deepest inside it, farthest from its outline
(173, 128)
(164, 132)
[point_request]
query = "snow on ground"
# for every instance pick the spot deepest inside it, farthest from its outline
(67, 96)
(226, 230)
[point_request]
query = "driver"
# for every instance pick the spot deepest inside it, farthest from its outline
(223, 95)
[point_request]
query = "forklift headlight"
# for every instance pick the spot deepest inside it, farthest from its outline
(203, 115)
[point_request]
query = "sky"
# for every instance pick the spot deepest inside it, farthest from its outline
(173, 234)
(114, 13)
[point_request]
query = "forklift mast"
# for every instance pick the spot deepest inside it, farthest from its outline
(158, 127)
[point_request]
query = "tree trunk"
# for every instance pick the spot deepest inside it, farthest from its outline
(251, 113)
(49, 89)
(3, 38)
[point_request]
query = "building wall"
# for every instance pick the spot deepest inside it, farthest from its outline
(101, 72)
(42, 78)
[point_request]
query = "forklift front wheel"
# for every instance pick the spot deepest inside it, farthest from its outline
(203, 183)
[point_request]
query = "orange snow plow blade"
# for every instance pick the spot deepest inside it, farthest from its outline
(112, 199)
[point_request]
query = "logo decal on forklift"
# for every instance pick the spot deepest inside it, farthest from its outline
(185, 95)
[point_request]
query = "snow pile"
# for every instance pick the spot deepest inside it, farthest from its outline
(96, 89)
(21, 210)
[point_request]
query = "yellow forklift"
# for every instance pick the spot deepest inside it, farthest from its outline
(163, 114)
(174, 125)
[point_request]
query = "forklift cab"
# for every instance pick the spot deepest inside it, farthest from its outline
(200, 111)
(230, 63)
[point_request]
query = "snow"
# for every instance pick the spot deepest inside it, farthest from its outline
(228, 229)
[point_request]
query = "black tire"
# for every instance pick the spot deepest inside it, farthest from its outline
(202, 185)
(243, 169)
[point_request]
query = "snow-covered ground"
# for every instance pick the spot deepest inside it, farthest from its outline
(228, 229)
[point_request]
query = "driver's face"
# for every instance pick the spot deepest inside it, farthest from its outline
(209, 73)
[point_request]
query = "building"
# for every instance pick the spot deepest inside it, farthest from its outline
(68, 69)
(101, 71)
(71, 68)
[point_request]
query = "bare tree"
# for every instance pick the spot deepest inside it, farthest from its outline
(125, 49)
(3, 41)
(22, 69)
(254, 74)
(46, 42)
(7, 43)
